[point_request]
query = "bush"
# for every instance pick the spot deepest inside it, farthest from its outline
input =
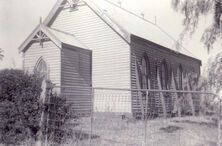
(57, 128)
(20, 107)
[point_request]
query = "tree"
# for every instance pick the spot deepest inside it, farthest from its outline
(214, 70)
(193, 10)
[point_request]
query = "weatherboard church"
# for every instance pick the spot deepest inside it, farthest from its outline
(78, 45)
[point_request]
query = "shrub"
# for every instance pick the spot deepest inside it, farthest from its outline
(57, 128)
(20, 109)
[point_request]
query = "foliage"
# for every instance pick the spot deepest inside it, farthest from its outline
(214, 71)
(19, 106)
(207, 102)
(60, 114)
(192, 10)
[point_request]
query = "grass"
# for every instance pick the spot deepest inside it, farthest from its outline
(170, 129)
(110, 129)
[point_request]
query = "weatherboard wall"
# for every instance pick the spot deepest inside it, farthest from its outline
(156, 54)
(76, 78)
(75, 67)
(110, 52)
(50, 53)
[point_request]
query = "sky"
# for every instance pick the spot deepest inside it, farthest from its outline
(19, 17)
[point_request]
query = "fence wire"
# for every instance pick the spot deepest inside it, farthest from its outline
(147, 117)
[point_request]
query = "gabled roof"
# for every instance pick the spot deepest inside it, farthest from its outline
(58, 38)
(29, 39)
(149, 31)
(137, 26)
(53, 11)
(61, 3)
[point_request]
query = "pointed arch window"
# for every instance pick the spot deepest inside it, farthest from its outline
(41, 68)
(145, 72)
(164, 75)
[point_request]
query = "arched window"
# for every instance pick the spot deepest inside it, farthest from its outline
(164, 75)
(41, 68)
(42, 71)
(180, 77)
(145, 72)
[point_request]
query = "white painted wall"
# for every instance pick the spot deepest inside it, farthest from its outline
(50, 53)
(110, 54)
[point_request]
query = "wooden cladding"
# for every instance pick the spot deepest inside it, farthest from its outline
(76, 68)
(165, 64)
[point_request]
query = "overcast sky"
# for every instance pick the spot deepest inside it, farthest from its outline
(19, 17)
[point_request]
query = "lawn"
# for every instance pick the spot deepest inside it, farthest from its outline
(111, 130)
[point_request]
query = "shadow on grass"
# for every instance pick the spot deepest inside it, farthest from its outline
(208, 124)
(208, 143)
(80, 135)
(171, 129)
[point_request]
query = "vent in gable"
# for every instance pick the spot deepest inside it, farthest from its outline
(73, 4)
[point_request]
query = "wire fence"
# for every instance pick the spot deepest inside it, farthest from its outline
(147, 117)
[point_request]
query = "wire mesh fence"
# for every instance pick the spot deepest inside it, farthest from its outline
(107, 116)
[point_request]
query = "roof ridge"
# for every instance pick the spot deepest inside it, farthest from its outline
(155, 25)
(121, 31)
(53, 11)
(115, 25)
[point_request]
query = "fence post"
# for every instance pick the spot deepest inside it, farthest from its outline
(48, 103)
(146, 116)
(219, 123)
(91, 115)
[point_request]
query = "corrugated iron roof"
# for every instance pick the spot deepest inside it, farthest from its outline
(122, 22)
(139, 27)
(67, 38)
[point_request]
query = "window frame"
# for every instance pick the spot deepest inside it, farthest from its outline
(41, 63)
